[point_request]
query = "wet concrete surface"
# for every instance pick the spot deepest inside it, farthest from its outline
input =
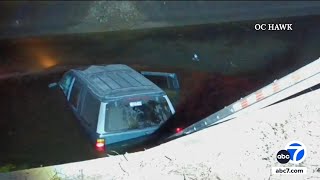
(38, 128)
(31, 18)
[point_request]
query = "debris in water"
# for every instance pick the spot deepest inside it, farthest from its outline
(233, 65)
(195, 57)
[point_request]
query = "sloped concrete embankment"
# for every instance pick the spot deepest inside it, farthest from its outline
(244, 148)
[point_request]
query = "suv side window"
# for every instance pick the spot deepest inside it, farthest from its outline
(65, 83)
(90, 111)
(75, 94)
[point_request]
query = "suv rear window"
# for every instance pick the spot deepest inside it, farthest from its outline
(136, 113)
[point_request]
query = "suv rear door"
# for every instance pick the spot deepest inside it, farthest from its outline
(90, 113)
(167, 82)
(74, 96)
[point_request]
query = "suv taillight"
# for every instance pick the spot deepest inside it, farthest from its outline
(100, 145)
(178, 130)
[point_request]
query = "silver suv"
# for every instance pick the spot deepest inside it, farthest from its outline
(117, 105)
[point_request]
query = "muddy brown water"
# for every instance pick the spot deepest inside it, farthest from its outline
(38, 128)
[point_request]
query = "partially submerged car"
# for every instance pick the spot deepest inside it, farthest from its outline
(116, 105)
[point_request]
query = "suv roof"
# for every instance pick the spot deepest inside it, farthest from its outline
(116, 80)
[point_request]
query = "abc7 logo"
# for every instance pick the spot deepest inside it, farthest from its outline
(295, 153)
